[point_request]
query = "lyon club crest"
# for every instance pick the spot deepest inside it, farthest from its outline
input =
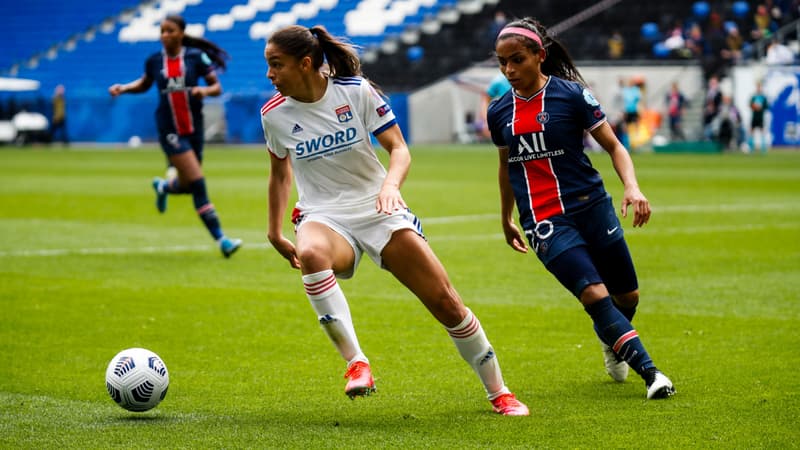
(344, 114)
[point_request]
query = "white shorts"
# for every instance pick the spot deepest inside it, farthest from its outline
(364, 228)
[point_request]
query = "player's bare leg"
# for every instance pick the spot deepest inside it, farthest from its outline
(411, 260)
(322, 253)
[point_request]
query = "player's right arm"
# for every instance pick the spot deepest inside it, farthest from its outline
(495, 121)
(510, 230)
(280, 185)
(134, 87)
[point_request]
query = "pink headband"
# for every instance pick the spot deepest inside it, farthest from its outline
(521, 31)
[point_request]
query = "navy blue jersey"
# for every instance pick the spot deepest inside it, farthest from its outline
(549, 172)
(178, 112)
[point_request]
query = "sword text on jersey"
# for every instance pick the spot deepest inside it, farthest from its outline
(320, 145)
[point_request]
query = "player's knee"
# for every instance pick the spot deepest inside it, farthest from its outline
(593, 293)
(627, 300)
(314, 256)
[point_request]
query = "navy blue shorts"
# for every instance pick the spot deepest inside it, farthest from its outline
(584, 248)
(174, 144)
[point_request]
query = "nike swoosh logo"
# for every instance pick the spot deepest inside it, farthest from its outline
(611, 231)
(509, 124)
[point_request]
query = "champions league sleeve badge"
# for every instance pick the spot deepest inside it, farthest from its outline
(344, 114)
(589, 98)
(383, 110)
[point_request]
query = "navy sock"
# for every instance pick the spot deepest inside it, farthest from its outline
(205, 209)
(627, 312)
(174, 187)
(616, 331)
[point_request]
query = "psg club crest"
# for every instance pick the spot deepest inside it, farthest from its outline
(344, 114)
(543, 117)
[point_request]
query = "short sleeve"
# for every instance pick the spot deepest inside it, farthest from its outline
(151, 67)
(206, 66)
(377, 115)
(592, 114)
(492, 119)
(271, 139)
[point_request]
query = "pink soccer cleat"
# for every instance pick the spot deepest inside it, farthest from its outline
(359, 380)
(508, 405)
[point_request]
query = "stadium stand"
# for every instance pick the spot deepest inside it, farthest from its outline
(89, 44)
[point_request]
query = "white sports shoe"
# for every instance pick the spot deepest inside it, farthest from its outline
(615, 367)
(659, 386)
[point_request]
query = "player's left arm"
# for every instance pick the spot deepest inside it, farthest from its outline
(623, 165)
(389, 199)
(213, 87)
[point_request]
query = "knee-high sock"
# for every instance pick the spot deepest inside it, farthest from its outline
(173, 186)
(476, 350)
(616, 331)
(205, 209)
(333, 312)
(628, 312)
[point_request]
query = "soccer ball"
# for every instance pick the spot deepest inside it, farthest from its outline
(135, 142)
(137, 379)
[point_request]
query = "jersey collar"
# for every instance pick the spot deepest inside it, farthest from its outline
(535, 94)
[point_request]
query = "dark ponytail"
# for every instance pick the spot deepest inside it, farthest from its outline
(558, 62)
(218, 56)
(341, 57)
(321, 46)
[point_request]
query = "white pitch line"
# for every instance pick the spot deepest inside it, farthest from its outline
(446, 220)
(119, 250)
(646, 230)
(656, 209)
(458, 219)
(736, 207)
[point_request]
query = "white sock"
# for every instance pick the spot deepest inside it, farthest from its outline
(333, 312)
(475, 348)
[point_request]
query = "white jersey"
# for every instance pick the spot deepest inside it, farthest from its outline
(329, 142)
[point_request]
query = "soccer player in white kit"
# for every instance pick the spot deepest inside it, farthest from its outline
(318, 128)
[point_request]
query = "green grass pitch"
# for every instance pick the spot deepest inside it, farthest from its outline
(88, 267)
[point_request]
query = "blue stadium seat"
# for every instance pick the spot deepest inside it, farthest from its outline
(93, 65)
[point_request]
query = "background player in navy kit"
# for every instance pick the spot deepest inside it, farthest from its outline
(318, 128)
(177, 71)
(758, 106)
(563, 207)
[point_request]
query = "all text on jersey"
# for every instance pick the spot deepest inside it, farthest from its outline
(535, 149)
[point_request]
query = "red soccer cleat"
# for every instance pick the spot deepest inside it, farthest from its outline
(508, 405)
(359, 380)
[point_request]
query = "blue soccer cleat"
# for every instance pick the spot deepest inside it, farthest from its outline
(229, 246)
(160, 186)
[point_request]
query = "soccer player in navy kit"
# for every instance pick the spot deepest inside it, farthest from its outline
(177, 71)
(318, 127)
(564, 210)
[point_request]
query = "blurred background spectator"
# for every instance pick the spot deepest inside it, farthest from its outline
(616, 45)
(778, 54)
